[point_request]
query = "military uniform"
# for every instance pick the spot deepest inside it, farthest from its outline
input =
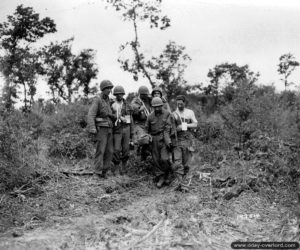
(100, 123)
(139, 118)
(185, 138)
(122, 132)
(159, 127)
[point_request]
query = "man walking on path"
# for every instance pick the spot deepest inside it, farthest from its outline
(141, 110)
(123, 129)
(100, 124)
(185, 121)
(159, 126)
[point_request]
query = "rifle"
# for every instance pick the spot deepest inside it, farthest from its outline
(175, 133)
(146, 110)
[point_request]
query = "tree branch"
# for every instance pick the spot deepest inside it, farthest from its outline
(137, 54)
(154, 229)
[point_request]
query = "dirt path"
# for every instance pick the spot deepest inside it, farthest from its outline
(123, 219)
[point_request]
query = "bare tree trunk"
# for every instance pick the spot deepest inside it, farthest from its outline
(31, 100)
(25, 96)
(135, 45)
(69, 98)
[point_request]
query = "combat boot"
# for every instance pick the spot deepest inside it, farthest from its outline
(168, 179)
(176, 183)
(115, 169)
(123, 168)
(160, 182)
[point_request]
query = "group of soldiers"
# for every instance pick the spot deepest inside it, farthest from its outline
(146, 122)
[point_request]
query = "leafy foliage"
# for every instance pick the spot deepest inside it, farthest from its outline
(65, 129)
(25, 25)
(227, 76)
(68, 73)
(18, 149)
(19, 63)
(168, 69)
(287, 64)
(137, 11)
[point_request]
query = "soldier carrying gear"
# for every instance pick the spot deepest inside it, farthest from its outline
(185, 121)
(141, 107)
(157, 92)
(158, 125)
(123, 129)
(100, 124)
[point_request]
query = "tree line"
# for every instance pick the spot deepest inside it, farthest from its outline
(69, 75)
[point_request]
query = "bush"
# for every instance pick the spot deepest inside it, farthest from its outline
(18, 149)
(274, 158)
(70, 145)
(211, 128)
(66, 131)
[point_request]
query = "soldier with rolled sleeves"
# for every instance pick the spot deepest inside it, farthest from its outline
(100, 125)
(157, 92)
(159, 126)
(185, 122)
(141, 106)
(123, 129)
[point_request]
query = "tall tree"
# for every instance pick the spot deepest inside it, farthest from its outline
(136, 11)
(287, 64)
(66, 72)
(25, 72)
(17, 34)
(229, 74)
(169, 69)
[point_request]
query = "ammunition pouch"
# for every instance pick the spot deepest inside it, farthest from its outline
(103, 122)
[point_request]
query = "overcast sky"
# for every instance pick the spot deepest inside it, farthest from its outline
(252, 32)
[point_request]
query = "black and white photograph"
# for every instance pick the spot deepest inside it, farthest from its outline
(149, 124)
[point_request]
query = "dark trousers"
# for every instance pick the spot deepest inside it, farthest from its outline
(160, 156)
(180, 160)
(121, 145)
(104, 150)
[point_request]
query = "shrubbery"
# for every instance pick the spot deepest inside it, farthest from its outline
(22, 137)
(263, 127)
(255, 122)
(66, 130)
(18, 149)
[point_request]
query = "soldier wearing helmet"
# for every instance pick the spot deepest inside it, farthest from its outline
(123, 129)
(141, 106)
(100, 124)
(157, 92)
(159, 126)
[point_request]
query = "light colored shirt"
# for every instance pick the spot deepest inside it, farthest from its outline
(185, 115)
(117, 107)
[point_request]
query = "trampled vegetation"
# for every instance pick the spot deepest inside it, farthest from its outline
(248, 140)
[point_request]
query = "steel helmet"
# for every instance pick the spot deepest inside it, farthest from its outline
(156, 102)
(143, 90)
(156, 89)
(118, 90)
(106, 84)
